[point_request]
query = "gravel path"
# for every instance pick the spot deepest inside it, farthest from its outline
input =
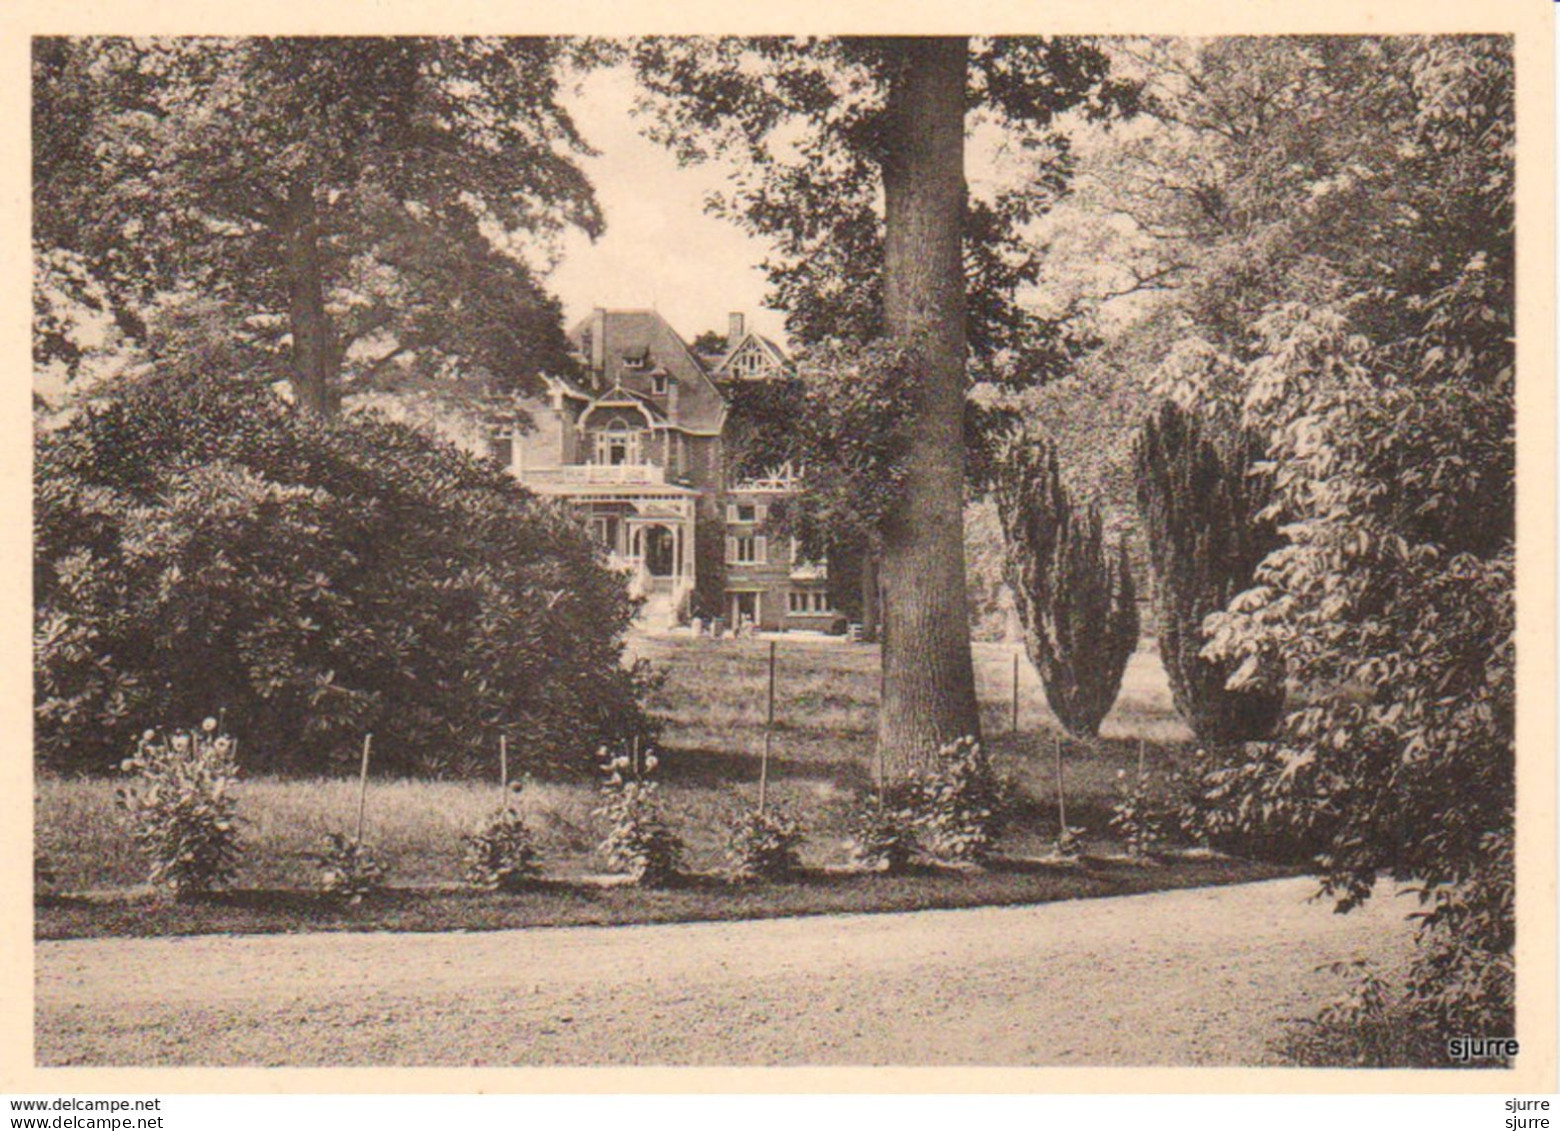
(1205, 976)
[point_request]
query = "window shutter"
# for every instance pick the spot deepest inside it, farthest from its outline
(731, 512)
(731, 551)
(760, 555)
(760, 512)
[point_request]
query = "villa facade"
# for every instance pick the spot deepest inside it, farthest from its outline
(635, 445)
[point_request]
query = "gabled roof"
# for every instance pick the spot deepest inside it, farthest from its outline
(775, 353)
(619, 397)
(638, 334)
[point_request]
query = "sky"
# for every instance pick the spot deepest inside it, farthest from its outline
(661, 250)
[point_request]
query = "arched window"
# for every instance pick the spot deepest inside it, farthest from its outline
(618, 443)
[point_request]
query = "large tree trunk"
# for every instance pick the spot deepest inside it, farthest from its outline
(314, 359)
(928, 677)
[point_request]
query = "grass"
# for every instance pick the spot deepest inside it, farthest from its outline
(711, 705)
(562, 904)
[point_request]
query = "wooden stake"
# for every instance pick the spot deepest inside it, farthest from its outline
(769, 726)
(1061, 796)
(368, 740)
(1141, 759)
(503, 766)
(1015, 692)
(882, 763)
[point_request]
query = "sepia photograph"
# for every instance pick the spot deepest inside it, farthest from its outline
(778, 551)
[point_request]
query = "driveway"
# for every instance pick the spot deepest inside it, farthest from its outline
(1201, 977)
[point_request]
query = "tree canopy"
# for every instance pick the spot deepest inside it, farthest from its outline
(1332, 218)
(350, 202)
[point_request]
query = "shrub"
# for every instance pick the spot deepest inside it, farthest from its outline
(1370, 1025)
(199, 541)
(639, 843)
(44, 875)
(762, 844)
(1135, 815)
(1200, 508)
(180, 809)
(501, 854)
(1074, 598)
(960, 804)
(347, 869)
(1069, 843)
(883, 836)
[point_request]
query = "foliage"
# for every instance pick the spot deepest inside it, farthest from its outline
(1069, 842)
(501, 853)
(347, 869)
(850, 164)
(352, 202)
(181, 809)
(808, 118)
(884, 836)
(197, 541)
(1075, 599)
(639, 842)
(762, 844)
(961, 804)
(44, 874)
(709, 547)
(1347, 223)
(1137, 815)
(1202, 516)
(1371, 1024)
(839, 418)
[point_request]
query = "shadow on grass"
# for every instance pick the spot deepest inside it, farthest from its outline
(703, 767)
(694, 898)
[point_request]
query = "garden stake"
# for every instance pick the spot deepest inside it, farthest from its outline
(1015, 692)
(1141, 745)
(769, 726)
(363, 787)
(1061, 797)
(503, 767)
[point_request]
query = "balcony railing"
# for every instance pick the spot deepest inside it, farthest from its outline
(596, 473)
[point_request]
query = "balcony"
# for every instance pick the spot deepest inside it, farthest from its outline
(596, 474)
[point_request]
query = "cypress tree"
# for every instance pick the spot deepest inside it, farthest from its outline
(1074, 597)
(1200, 506)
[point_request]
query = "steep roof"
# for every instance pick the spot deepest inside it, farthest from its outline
(776, 355)
(633, 345)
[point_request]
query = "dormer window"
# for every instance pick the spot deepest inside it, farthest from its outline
(636, 359)
(659, 382)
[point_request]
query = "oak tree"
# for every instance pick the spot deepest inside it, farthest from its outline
(817, 129)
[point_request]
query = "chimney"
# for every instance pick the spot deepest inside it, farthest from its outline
(735, 329)
(598, 342)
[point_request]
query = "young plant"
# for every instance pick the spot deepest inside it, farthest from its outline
(762, 844)
(1136, 816)
(501, 853)
(347, 869)
(959, 807)
(883, 836)
(639, 842)
(1069, 843)
(181, 810)
(44, 875)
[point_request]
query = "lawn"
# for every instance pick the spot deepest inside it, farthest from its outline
(711, 704)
